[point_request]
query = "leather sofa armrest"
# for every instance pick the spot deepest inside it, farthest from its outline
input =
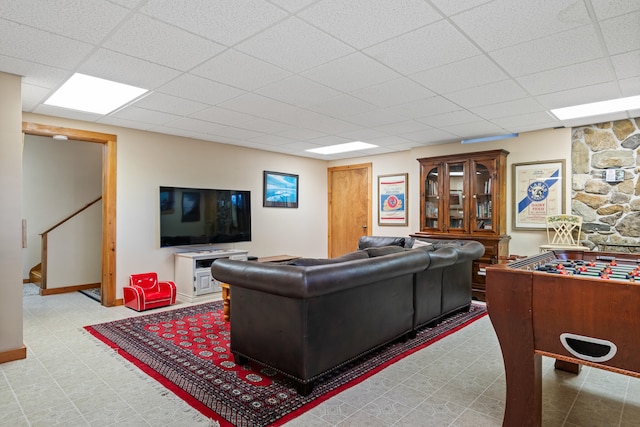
(443, 257)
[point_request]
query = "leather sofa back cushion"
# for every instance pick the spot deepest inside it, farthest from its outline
(375, 241)
(383, 250)
(306, 262)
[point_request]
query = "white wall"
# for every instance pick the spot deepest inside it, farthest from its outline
(146, 161)
(550, 144)
(11, 339)
(60, 177)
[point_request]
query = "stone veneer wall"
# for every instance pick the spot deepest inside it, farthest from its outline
(610, 210)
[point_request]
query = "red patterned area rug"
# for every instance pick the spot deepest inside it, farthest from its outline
(187, 351)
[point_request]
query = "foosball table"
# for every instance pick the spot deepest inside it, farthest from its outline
(581, 308)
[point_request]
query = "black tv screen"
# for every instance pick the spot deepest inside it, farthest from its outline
(198, 216)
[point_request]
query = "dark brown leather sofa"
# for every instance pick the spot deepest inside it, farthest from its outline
(307, 319)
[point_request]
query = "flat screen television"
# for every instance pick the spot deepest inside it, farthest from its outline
(198, 216)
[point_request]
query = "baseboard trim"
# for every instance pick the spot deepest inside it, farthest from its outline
(66, 289)
(11, 355)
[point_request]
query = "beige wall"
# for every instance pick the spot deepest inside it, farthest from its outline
(10, 215)
(146, 161)
(550, 144)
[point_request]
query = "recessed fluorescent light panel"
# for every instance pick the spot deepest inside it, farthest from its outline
(342, 148)
(93, 95)
(597, 108)
(489, 138)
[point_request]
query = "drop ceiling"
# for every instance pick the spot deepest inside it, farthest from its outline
(290, 75)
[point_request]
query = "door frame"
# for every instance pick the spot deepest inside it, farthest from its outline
(368, 167)
(109, 142)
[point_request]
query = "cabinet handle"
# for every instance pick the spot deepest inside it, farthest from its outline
(474, 196)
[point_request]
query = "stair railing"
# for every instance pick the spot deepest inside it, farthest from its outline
(43, 284)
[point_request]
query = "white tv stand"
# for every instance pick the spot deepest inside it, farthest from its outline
(192, 273)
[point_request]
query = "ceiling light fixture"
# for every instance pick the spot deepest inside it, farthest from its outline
(342, 148)
(598, 108)
(93, 95)
(489, 138)
(60, 137)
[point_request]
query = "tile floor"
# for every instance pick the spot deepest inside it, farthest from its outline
(71, 379)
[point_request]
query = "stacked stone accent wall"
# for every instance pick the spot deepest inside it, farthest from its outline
(610, 210)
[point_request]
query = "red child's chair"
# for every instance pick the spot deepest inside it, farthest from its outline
(145, 292)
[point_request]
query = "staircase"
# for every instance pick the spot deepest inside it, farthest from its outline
(35, 274)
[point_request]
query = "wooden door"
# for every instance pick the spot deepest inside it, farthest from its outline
(349, 207)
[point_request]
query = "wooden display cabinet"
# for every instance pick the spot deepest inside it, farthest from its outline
(464, 197)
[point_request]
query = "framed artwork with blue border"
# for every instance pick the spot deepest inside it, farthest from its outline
(280, 190)
(392, 199)
(538, 191)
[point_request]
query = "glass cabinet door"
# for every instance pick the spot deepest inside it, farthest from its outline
(482, 191)
(456, 200)
(431, 198)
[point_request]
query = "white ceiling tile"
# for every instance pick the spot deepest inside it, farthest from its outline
(569, 77)
(175, 131)
(295, 46)
(237, 69)
(503, 23)
(34, 74)
(115, 66)
(430, 136)
(403, 127)
(292, 5)
(265, 126)
(451, 118)
(32, 96)
(362, 23)
(474, 130)
(222, 115)
(630, 87)
(627, 64)
(424, 107)
(143, 115)
(301, 134)
(622, 34)
(149, 39)
(31, 44)
(237, 133)
(342, 105)
(86, 20)
(535, 56)
(492, 93)
(319, 122)
(50, 110)
(375, 118)
(224, 21)
(272, 140)
(298, 90)
(517, 121)
(453, 7)
(130, 124)
(390, 141)
(194, 125)
(362, 134)
(260, 106)
(199, 89)
(325, 141)
(428, 47)
(169, 104)
(393, 92)
(601, 92)
(509, 108)
(476, 71)
(351, 72)
(609, 9)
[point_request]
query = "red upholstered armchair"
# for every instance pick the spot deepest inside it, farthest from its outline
(145, 292)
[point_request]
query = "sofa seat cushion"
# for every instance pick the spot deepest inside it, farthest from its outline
(306, 262)
(383, 250)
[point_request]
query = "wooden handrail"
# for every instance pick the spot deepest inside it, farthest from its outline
(71, 216)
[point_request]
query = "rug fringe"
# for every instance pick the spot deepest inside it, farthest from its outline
(163, 391)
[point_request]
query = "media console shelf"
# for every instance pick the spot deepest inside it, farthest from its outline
(192, 273)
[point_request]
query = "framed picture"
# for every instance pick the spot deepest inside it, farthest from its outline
(190, 206)
(538, 191)
(455, 199)
(280, 190)
(392, 198)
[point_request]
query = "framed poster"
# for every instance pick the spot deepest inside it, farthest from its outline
(280, 190)
(538, 191)
(392, 199)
